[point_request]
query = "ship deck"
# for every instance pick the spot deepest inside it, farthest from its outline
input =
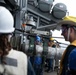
(50, 73)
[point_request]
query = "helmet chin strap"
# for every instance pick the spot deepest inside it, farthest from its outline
(68, 34)
(9, 38)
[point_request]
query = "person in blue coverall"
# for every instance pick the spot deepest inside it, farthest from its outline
(68, 60)
(38, 57)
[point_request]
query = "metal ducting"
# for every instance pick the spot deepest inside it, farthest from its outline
(45, 5)
(2, 3)
(11, 3)
(55, 52)
(1, 0)
(59, 10)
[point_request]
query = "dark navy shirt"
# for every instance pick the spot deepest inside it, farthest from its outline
(72, 60)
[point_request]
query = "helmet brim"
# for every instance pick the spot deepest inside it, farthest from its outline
(66, 22)
(7, 31)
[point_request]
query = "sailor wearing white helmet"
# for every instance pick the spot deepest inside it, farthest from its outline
(12, 62)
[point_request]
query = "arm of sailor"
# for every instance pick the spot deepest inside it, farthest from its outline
(72, 62)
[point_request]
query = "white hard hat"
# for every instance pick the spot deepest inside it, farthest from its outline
(6, 21)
